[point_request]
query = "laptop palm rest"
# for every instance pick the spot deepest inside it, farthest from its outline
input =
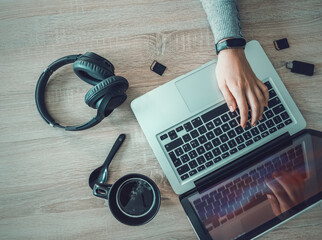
(200, 90)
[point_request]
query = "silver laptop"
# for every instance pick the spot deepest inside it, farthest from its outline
(191, 130)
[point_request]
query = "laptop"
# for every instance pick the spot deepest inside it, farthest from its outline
(194, 135)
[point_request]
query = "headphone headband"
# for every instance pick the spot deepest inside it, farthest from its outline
(40, 97)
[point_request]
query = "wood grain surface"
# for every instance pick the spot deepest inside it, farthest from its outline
(44, 191)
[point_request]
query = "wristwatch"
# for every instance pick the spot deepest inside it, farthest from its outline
(230, 43)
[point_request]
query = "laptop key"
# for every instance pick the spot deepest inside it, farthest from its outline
(257, 138)
(196, 122)
(201, 160)
(164, 136)
(224, 147)
(186, 137)
(209, 156)
(249, 142)
(214, 113)
(272, 93)
(193, 154)
(194, 133)
(208, 164)
(183, 169)
(174, 144)
(216, 152)
(239, 139)
(268, 85)
(269, 123)
(208, 146)
(217, 122)
(202, 130)
(231, 133)
(254, 131)
(232, 143)
(216, 142)
(202, 139)
(277, 119)
(179, 129)
(193, 172)
(185, 158)
(269, 114)
(265, 134)
(288, 121)
(172, 134)
(241, 146)
(278, 109)
(239, 130)
(262, 127)
(225, 127)
(201, 150)
(225, 155)
(177, 162)
(193, 164)
(178, 151)
(248, 126)
(232, 114)
(185, 176)
(232, 151)
(247, 135)
(281, 125)
(210, 125)
(285, 115)
(225, 117)
(186, 147)
(210, 135)
(217, 159)
(273, 102)
(223, 138)
(272, 130)
(200, 168)
(217, 131)
(194, 143)
(233, 123)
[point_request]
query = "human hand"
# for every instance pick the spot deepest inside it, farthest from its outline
(287, 191)
(240, 86)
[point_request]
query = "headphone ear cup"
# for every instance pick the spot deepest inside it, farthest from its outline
(115, 85)
(93, 68)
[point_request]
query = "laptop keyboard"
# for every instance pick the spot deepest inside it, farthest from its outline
(247, 191)
(209, 138)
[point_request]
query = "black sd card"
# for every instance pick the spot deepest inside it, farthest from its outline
(157, 67)
(281, 44)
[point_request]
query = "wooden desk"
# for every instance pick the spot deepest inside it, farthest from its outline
(44, 171)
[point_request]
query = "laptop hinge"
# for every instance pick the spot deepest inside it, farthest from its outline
(242, 161)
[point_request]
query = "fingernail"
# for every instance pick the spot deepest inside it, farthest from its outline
(269, 196)
(231, 108)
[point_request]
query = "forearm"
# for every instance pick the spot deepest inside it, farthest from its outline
(223, 18)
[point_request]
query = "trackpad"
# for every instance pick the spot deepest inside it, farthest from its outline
(200, 89)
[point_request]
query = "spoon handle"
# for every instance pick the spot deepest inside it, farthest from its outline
(102, 178)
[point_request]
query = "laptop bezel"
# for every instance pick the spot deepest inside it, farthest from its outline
(242, 164)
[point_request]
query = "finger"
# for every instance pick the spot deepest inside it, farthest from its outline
(264, 90)
(254, 106)
(261, 100)
(230, 100)
(290, 186)
(278, 191)
(242, 105)
(274, 204)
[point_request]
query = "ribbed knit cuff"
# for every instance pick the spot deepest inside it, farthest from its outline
(223, 17)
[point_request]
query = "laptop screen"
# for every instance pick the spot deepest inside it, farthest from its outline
(266, 193)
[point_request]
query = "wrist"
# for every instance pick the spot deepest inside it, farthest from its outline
(230, 43)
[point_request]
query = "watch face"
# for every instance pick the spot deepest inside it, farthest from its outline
(236, 42)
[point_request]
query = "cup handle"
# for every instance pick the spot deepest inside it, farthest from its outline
(101, 190)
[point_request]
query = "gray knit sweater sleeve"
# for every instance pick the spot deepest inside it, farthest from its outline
(223, 18)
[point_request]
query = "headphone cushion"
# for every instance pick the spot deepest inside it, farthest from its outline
(93, 68)
(113, 84)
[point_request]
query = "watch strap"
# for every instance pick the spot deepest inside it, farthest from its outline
(230, 43)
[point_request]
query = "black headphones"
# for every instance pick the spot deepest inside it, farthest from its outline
(108, 93)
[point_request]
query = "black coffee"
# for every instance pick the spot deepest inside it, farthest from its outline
(135, 197)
